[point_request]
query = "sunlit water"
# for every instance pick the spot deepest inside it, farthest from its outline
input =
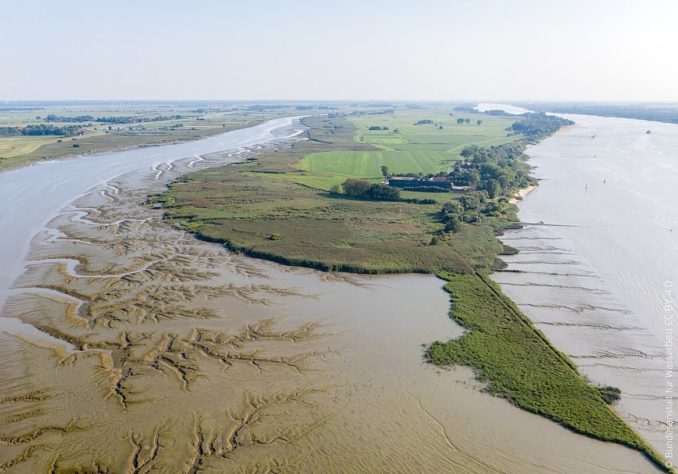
(510, 109)
(598, 258)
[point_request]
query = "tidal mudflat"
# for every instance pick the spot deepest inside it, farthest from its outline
(158, 352)
(598, 259)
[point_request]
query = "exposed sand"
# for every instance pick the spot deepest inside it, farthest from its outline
(177, 356)
(521, 194)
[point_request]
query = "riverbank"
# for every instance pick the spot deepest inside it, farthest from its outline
(521, 194)
(60, 182)
(250, 209)
(106, 143)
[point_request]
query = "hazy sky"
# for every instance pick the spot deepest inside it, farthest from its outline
(340, 49)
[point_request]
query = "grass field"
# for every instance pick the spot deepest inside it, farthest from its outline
(404, 147)
(452, 137)
(15, 146)
(367, 164)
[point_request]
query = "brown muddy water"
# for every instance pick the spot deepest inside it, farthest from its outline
(145, 350)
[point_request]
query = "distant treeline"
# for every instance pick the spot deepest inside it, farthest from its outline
(110, 120)
(39, 130)
(656, 113)
(535, 126)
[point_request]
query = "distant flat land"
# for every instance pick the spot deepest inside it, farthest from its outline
(130, 125)
(17, 146)
(667, 113)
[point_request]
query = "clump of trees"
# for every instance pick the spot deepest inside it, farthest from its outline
(497, 170)
(59, 118)
(424, 122)
(377, 127)
(470, 209)
(359, 188)
(112, 119)
(535, 126)
(41, 130)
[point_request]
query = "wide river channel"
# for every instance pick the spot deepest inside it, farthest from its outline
(597, 269)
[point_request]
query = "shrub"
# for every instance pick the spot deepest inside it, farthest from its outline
(356, 187)
(610, 394)
(382, 192)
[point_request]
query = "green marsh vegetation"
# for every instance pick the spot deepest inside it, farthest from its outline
(284, 206)
(242, 205)
(518, 363)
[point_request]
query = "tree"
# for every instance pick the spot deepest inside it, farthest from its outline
(472, 205)
(451, 209)
(451, 214)
(493, 188)
(479, 122)
(382, 192)
(469, 177)
(467, 120)
(490, 171)
(460, 121)
(468, 151)
(384, 171)
(453, 225)
(356, 187)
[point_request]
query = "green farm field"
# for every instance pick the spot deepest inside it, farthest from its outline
(402, 146)
(404, 135)
(16, 146)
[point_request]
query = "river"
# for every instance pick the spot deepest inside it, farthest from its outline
(32, 195)
(598, 264)
(134, 347)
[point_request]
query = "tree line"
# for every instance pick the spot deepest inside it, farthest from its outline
(535, 126)
(40, 130)
(111, 119)
(362, 189)
(470, 209)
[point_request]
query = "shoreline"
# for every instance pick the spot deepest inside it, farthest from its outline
(521, 194)
(98, 168)
(123, 148)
